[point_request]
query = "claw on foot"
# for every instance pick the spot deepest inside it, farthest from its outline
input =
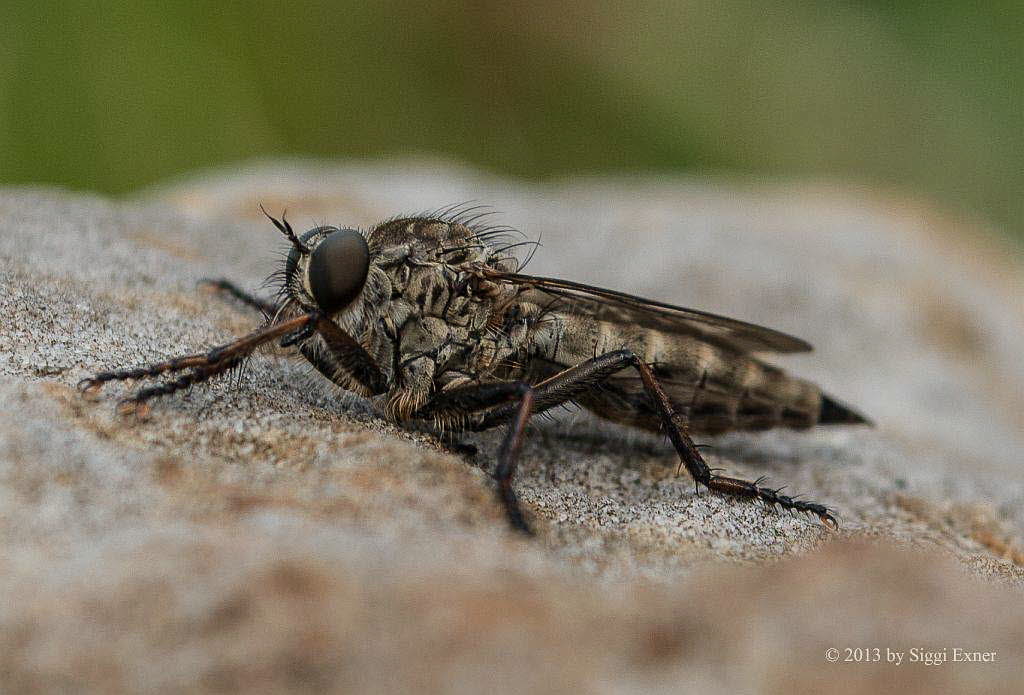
(129, 406)
(87, 384)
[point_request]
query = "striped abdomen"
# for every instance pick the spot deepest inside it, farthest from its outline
(716, 388)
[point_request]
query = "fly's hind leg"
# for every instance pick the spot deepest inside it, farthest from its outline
(572, 382)
(696, 466)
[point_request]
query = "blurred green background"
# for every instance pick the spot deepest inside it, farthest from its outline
(918, 98)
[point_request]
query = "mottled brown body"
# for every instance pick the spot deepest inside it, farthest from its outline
(437, 312)
(429, 317)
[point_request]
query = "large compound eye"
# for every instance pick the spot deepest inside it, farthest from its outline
(337, 269)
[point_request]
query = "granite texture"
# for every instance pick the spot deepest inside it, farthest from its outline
(269, 532)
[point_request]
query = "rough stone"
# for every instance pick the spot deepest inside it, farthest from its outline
(271, 532)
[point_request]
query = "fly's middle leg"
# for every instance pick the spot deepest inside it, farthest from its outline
(519, 397)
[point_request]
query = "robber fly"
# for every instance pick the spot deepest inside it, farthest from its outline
(430, 318)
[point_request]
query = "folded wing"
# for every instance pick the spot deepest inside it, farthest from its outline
(609, 305)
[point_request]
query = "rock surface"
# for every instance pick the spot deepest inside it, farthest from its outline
(270, 532)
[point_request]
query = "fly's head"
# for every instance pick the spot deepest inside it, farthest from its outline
(326, 268)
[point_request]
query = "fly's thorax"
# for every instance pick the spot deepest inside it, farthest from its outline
(443, 325)
(427, 312)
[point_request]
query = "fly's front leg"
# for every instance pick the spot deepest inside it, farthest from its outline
(519, 396)
(199, 366)
(574, 381)
(340, 358)
(266, 307)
